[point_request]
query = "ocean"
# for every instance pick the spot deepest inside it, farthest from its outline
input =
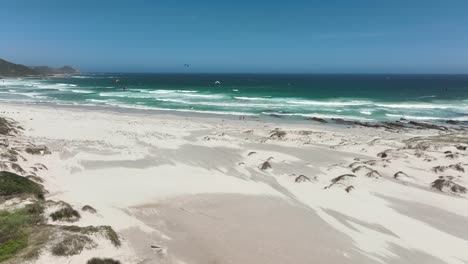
(295, 96)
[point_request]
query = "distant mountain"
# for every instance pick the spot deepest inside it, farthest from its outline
(45, 70)
(9, 69)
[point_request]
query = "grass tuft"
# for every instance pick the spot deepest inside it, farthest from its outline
(65, 214)
(106, 231)
(16, 227)
(73, 245)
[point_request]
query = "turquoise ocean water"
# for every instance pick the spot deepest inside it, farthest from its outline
(354, 97)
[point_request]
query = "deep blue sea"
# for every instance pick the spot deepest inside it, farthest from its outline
(356, 97)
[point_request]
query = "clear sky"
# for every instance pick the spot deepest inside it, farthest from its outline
(363, 36)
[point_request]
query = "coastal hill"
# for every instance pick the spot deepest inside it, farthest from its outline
(10, 69)
(45, 70)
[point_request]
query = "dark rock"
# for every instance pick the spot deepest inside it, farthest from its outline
(426, 125)
(321, 120)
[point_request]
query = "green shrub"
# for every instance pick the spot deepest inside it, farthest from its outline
(13, 184)
(66, 214)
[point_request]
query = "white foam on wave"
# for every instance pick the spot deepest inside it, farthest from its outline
(328, 103)
(209, 96)
(414, 106)
(245, 98)
(34, 95)
(125, 95)
(220, 104)
(97, 101)
(162, 91)
(186, 91)
(66, 84)
(82, 91)
(158, 91)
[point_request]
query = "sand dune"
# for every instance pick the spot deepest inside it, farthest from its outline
(191, 189)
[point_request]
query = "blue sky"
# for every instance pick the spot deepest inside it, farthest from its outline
(360, 36)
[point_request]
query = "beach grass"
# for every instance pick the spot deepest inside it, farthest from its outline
(16, 227)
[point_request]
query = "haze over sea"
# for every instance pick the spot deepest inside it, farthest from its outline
(354, 97)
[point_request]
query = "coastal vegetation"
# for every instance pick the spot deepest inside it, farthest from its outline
(16, 228)
(9, 69)
(106, 231)
(24, 228)
(66, 213)
(12, 184)
(72, 245)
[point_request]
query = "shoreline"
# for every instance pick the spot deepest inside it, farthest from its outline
(164, 180)
(236, 98)
(397, 124)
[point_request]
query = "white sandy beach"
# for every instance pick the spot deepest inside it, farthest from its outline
(191, 189)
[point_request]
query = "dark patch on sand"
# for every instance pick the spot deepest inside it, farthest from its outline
(445, 221)
(345, 220)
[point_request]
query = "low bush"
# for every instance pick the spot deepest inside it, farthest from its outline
(13, 184)
(65, 214)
